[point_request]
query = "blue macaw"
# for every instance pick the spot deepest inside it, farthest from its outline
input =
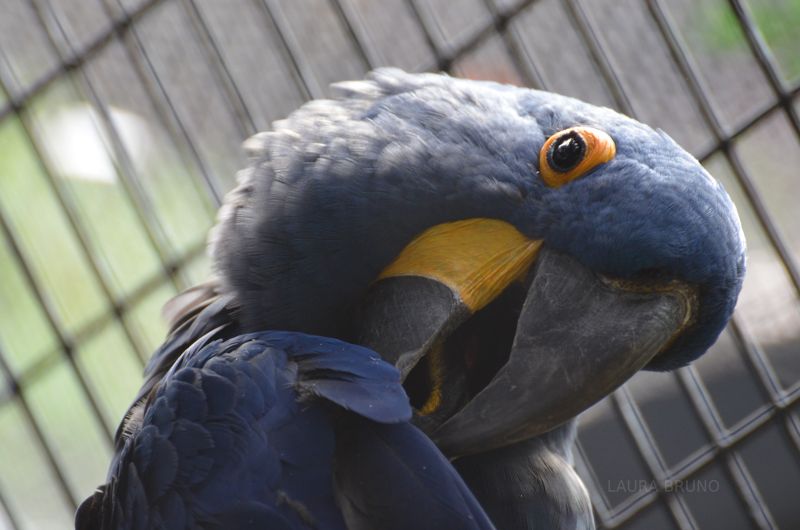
(419, 284)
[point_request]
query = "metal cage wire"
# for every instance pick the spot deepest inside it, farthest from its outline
(659, 500)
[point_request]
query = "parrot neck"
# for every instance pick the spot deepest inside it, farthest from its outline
(530, 484)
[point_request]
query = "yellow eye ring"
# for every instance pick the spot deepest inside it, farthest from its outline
(570, 153)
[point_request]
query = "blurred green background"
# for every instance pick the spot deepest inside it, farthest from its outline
(111, 171)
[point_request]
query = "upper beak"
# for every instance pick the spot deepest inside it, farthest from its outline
(578, 337)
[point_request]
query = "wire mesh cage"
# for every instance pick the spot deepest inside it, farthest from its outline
(120, 127)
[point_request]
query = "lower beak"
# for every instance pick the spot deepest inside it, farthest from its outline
(578, 337)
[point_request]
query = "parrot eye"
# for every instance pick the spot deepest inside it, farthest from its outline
(570, 153)
(566, 152)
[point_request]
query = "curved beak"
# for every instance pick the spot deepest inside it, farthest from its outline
(578, 337)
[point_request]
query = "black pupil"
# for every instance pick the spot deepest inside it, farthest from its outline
(566, 152)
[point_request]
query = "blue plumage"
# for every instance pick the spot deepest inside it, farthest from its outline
(399, 153)
(531, 484)
(237, 435)
(392, 477)
(238, 427)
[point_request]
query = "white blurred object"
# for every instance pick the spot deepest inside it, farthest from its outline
(80, 147)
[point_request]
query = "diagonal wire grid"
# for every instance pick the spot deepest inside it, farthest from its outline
(120, 126)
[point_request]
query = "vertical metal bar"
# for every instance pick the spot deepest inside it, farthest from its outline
(17, 100)
(527, 70)
(164, 108)
(280, 25)
(161, 100)
(615, 516)
(701, 94)
(344, 11)
(792, 426)
(756, 359)
(710, 418)
(6, 509)
(765, 220)
(244, 119)
(626, 405)
(308, 80)
(297, 76)
(61, 481)
(768, 379)
(445, 60)
(636, 426)
(645, 443)
(746, 487)
(581, 21)
(71, 209)
(89, 330)
(427, 33)
(682, 58)
(765, 60)
(531, 74)
(125, 169)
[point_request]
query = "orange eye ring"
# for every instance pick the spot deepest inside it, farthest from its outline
(570, 153)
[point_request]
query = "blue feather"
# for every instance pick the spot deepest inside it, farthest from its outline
(235, 429)
(238, 435)
(387, 475)
(379, 165)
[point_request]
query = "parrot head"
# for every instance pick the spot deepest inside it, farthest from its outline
(515, 253)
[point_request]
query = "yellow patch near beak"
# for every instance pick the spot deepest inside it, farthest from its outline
(435, 369)
(476, 258)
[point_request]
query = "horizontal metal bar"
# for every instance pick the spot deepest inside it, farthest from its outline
(527, 71)
(589, 37)
(498, 24)
(646, 446)
(682, 57)
(710, 418)
(624, 403)
(213, 55)
(725, 439)
(19, 100)
(634, 422)
(159, 95)
(124, 169)
(728, 440)
(427, 31)
(613, 516)
(61, 481)
(765, 59)
(531, 74)
(47, 360)
(50, 312)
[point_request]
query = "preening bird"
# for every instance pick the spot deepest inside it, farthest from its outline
(508, 256)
